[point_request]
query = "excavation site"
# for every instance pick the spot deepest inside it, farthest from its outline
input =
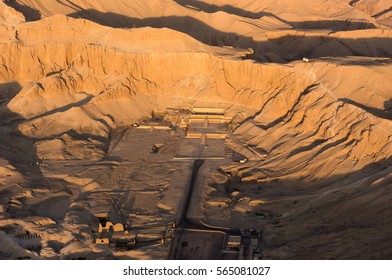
(195, 129)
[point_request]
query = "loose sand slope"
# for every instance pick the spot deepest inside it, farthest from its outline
(318, 134)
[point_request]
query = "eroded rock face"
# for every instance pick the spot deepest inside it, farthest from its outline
(318, 131)
(9, 15)
(89, 82)
(379, 10)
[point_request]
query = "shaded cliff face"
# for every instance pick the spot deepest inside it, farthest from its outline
(89, 79)
(381, 11)
(278, 31)
(323, 128)
(97, 71)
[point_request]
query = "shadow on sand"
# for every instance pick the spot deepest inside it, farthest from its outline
(229, 9)
(283, 49)
(18, 149)
(385, 114)
(302, 219)
(8, 91)
(29, 13)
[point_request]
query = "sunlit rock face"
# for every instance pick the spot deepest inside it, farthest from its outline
(307, 89)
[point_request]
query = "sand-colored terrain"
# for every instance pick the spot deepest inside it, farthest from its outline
(307, 88)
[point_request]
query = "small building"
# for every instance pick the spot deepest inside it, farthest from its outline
(110, 226)
(104, 241)
(208, 111)
(244, 245)
(234, 242)
(237, 157)
(116, 234)
(123, 239)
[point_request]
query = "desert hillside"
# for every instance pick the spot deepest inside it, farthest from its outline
(307, 89)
